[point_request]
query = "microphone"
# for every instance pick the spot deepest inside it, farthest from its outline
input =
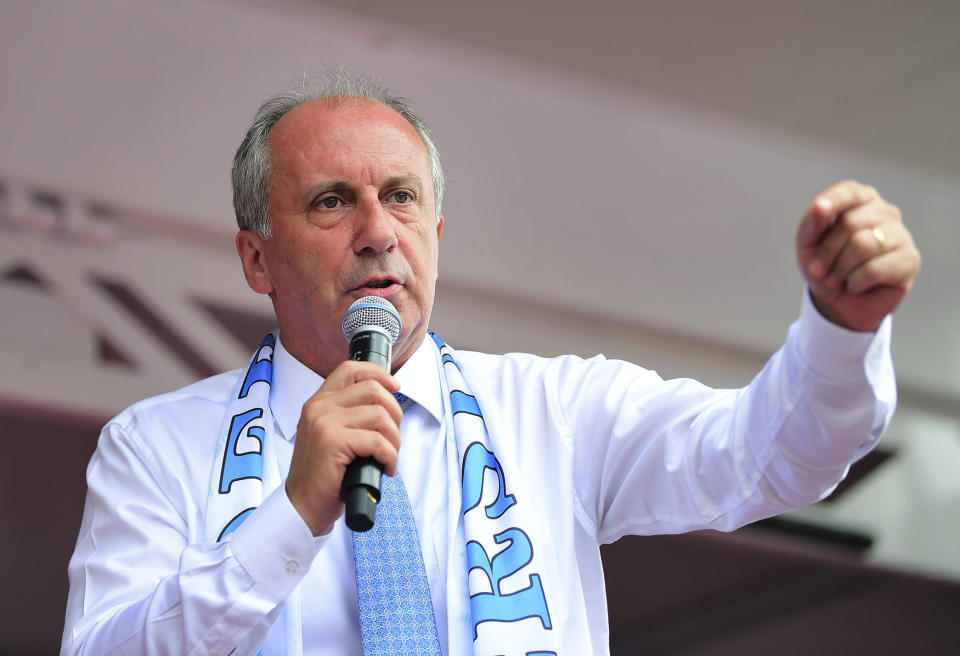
(371, 325)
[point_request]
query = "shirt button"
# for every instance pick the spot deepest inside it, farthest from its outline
(292, 567)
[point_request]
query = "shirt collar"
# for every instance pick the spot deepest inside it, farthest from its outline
(293, 383)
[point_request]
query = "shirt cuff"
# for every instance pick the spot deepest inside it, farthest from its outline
(837, 353)
(275, 546)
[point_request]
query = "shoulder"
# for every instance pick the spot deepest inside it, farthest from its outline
(532, 368)
(486, 369)
(188, 415)
(160, 451)
(498, 363)
(566, 384)
(207, 395)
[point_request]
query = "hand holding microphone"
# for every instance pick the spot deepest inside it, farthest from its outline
(353, 413)
(371, 326)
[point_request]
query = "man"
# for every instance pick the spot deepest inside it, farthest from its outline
(213, 523)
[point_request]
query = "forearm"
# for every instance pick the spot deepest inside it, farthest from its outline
(832, 393)
(143, 582)
(669, 456)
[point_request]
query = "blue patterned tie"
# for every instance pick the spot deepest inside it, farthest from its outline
(396, 612)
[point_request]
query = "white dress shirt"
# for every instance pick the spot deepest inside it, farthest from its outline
(605, 448)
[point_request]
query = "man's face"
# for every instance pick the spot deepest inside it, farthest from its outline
(352, 213)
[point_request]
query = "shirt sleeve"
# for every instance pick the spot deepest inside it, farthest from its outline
(138, 585)
(655, 456)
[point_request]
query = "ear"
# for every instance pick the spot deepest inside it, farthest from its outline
(250, 249)
(439, 226)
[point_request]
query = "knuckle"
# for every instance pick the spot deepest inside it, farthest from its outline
(317, 427)
(352, 367)
(825, 253)
(344, 367)
(312, 409)
(846, 221)
(309, 406)
(848, 186)
(864, 242)
(873, 269)
(388, 450)
(386, 420)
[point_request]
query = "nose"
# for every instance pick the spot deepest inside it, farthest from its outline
(375, 228)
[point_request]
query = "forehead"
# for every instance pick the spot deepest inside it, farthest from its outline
(343, 132)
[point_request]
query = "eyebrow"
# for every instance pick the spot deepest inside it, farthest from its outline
(406, 181)
(327, 186)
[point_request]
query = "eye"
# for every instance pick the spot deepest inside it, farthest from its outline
(402, 197)
(329, 202)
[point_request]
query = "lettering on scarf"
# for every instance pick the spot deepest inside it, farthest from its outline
(498, 606)
(261, 368)
(244, 450)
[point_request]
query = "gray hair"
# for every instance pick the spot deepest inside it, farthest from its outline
(251, 165)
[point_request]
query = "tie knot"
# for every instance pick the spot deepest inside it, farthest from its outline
(400, 397)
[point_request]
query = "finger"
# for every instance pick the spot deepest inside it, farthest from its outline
(834, 240)
(367, 392)
(895, 270)
(349, 372)
(371, 444)
(861, 245)
(817, 261)
(327, 431)
(847, 195)
(324, 430)
(353, 371)
(372, 417)
(827, 206)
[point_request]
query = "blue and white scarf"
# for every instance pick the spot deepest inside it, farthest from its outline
(512, 601)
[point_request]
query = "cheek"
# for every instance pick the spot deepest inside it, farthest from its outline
(434, 255)
(291, 267)
(310, 256)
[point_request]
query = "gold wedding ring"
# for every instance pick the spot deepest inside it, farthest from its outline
(881, 238)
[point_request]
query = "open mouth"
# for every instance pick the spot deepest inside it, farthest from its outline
(385, 287)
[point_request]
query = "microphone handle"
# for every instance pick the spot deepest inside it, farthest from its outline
(360, 490)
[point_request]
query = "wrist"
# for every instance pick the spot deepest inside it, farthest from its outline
(316, 523)
(830, 314)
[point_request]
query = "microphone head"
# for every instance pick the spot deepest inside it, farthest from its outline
(371, 312)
